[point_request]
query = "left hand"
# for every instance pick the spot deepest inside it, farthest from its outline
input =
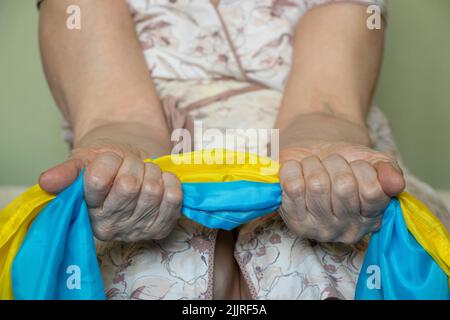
(336, 192)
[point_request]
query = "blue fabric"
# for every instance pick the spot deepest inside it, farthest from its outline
(57, 251)
(396, 267)
(226, 205)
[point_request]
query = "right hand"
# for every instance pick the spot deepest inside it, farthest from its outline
(128, 200)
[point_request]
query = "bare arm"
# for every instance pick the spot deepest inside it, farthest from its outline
(100, 81)
(330, 176)
(98, 74)
(336, 64)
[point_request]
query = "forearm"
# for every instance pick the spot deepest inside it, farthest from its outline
(336, 63)
(98, 75)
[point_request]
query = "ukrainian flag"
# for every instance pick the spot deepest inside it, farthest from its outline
(45, 239)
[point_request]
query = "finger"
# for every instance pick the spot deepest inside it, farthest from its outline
(150, 196)
(61, 176)
(170, 208)
(293, 209)
(293, 184)
(344, 187)
(99, 177)
(318, 189)
(373, 199)
(122, 198)
(390, 177)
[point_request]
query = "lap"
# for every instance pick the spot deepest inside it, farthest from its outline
(264, 261)
(280, 265)
(177, 267)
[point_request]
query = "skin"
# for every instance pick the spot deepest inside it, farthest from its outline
(334, 185)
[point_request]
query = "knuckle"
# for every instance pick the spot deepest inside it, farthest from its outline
(371, 192)
(318, 183)
(102, 231)
(344, 184)
(359, 164)
(334, 158)
(96, 182)
(295, 187)
(152, 189)
(173, 196)
(154, 168)
(128, 184)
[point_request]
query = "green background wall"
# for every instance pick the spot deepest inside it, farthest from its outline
(414, 92)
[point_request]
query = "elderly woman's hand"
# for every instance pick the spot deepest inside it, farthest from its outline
(336, 191)
(128, 200)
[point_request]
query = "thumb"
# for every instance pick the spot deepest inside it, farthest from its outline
(390, 177)
(58, 178)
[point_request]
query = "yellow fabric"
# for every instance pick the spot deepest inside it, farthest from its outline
(15, 220)
(219, 165)
(427, 230)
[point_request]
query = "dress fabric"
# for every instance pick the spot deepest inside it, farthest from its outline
(227, 65)
(241, 39)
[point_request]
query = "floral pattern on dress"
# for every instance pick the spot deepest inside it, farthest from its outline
(177, 267)
(193, 39)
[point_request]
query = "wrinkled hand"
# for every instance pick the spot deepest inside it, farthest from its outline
(336, 192)
(128, 200)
